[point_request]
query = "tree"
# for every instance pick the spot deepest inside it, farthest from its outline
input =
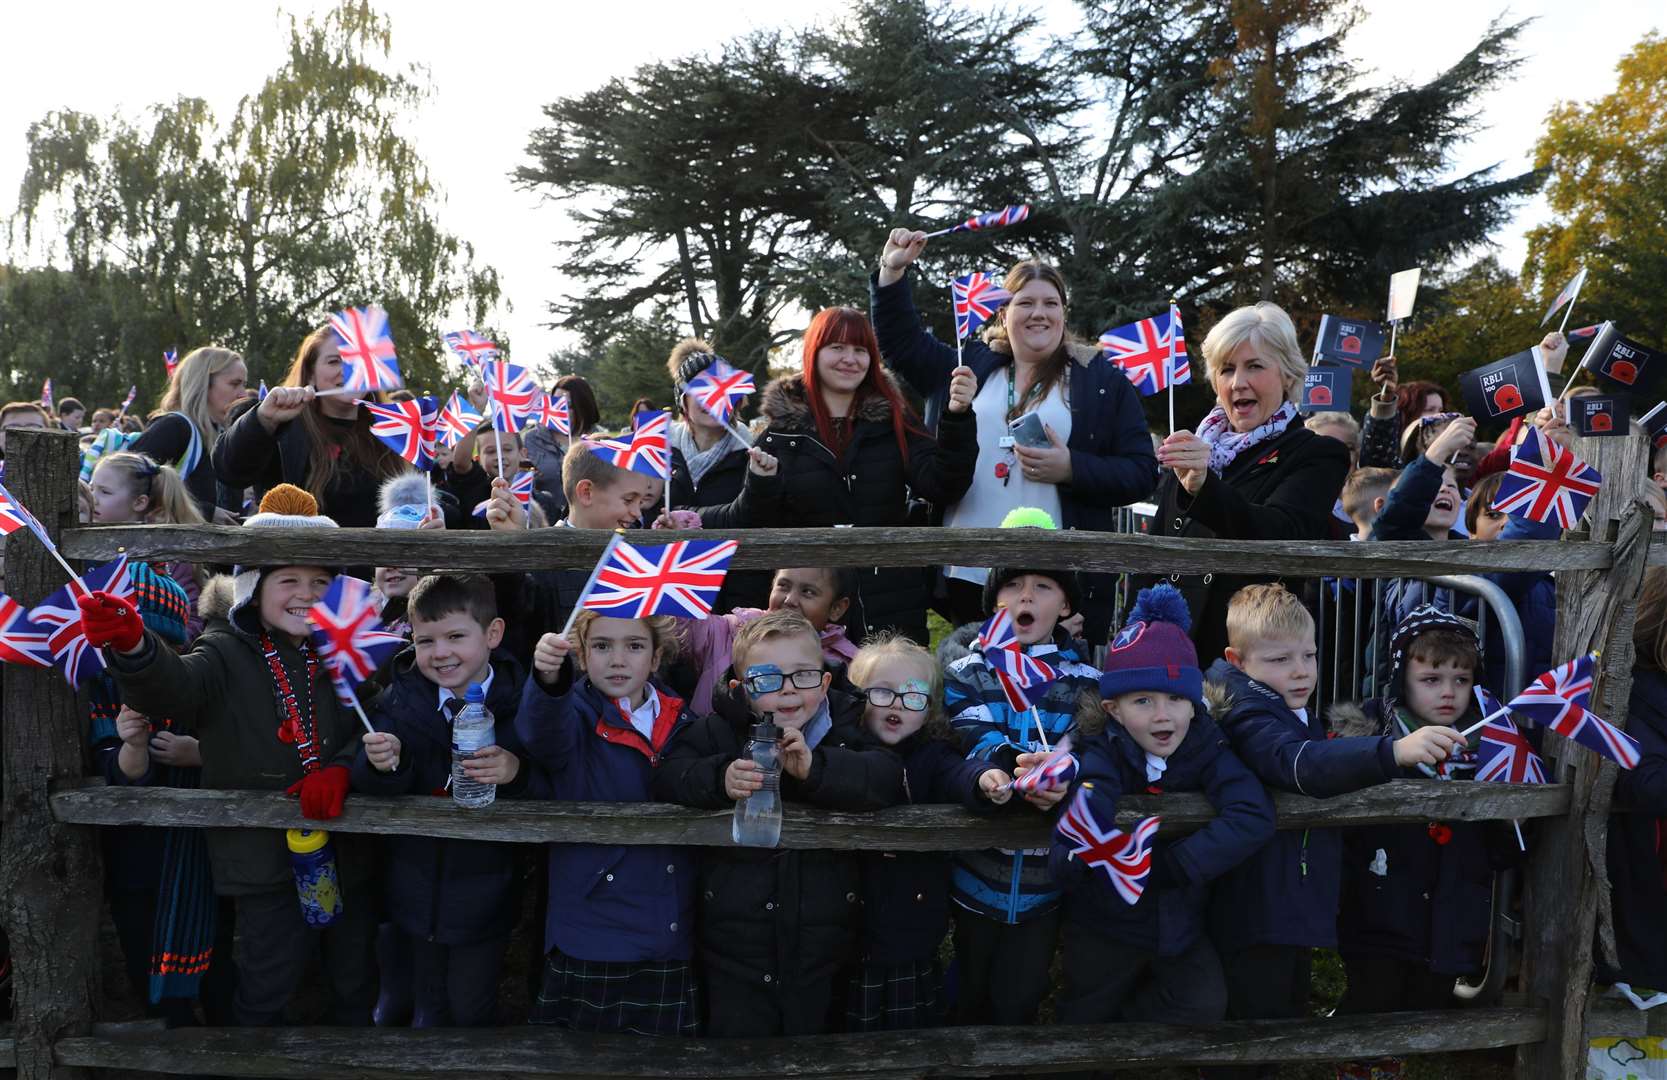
(308, 200)
(1608, 191)
(629, 363)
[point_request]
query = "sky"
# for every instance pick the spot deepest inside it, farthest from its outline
(494, 63)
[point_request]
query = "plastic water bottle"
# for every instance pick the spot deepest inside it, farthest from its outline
(757, 821)
(313, 859)
(471, 733)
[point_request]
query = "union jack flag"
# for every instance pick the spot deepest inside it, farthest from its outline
(408, 427)
(995, 219)
(646, 452)
(1558, 700)
(14, 516)
(470, 347)
(1123, 857)
(511, 390)
(367, 349)
(1545, 480)
(720, 389)
(127, 402)
(260, 395)
(1014, 669)
(977, 298)
(21, 641)
(170, 361)
(46, 392)
(552, 411)
(456, 420)
(681, 579)
(345, 622)
(520, 486)
(61, 618)
(1056, 770)
(1584, 333)
(1141, 349)
(1505, 756)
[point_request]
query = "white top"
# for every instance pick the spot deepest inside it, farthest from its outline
(989, 500)
(643, 716)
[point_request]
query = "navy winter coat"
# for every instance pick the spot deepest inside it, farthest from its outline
(1287, 893)
(455, 892)
(1637, 855)
(905, 894)
(1421, 893)
(783, 918)
(1169, 917)
(608, 902)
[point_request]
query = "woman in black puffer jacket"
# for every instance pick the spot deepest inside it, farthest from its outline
(850, 451)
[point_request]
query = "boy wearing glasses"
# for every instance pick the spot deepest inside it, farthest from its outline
(777, 929)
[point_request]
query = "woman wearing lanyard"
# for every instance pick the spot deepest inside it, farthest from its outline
(1087, 453)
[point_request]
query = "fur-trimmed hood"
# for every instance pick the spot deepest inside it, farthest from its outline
(786, 401)
(215, 601)
(1351, 718)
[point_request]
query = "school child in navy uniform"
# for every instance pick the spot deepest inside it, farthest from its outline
(1270, 910)
(1152, 960)
(905, 895)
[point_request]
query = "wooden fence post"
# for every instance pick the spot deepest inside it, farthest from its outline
(49, 873)
(1595, 610)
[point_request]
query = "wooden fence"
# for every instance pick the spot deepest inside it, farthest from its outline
(50, 871)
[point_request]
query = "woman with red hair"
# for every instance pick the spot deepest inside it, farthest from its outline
(848, 450)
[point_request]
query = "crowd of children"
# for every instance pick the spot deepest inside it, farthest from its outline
(225, 690)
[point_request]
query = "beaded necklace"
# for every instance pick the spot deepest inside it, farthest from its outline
(297, 728)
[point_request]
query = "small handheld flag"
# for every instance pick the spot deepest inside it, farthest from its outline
(995, 219)
(470, 347)
(170, 360)
(407, 427)
(1403, 292)
(127, 402)
(260, 394)
(520, 486)
(510, 389)
(1514, 386)
(552, 411)
(1558, 700)
(60, 616)
(1349, 342)
(1057, 770)
(1600, 415)
(1654, 424)
(345, 631)
(680, 578)
(1327, 388)
(21, 641)
(1141, 349)
(977, 297)
(46, 392)
(456, 420)
(1567, 296)
(367, 350)
(1014, 669)
(1125, 859)
(645, 452)
(1546, 481)
(1624, 362)
(1505, 756)
(720, 389)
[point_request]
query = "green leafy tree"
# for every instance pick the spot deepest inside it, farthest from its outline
(627, 364)
(249, 233)
(1608, 193)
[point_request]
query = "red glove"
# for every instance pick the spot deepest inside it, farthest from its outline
(110, 620)
(322, 792)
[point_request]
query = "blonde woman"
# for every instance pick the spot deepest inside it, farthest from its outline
(1251, 471)
(182, 431)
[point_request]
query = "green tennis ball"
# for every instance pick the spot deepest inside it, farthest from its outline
(1028, 517)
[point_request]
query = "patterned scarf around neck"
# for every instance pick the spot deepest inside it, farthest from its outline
(701, 461)
(1227, 444)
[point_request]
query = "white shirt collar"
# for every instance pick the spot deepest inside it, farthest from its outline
(643, 716)
(485, 689)
(1155, 767)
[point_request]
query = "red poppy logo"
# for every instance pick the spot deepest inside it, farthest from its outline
(1319, 394)
(1623, 371)
(1349, 344)
(1507, 397)
(1600, 422)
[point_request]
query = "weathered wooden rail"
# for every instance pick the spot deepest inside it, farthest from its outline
(49, 859)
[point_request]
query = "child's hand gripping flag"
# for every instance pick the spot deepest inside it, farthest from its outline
(60, 615)
(1124, 858)
(520, 486)
(1016, 671)
(1057, 770)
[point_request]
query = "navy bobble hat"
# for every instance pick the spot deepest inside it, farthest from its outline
(1153, 651)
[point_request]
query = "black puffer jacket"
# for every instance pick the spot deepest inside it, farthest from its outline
(247, 455)
(1282, 489)
(781, 917)
(870, 484)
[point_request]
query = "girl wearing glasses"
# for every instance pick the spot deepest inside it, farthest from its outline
(906, 894)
